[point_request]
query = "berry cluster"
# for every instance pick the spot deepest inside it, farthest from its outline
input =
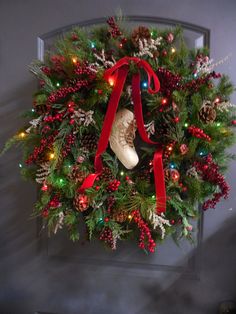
(83, 69)
(110, 203)
(65, 91)
(113, 186)
(168, 81)
(44, 143)
(115, 31)
(210, 172)
(53, 203)
(46, 70)
(194, 85)
(69, 141)
(51, 119)
(107, 236)
(57, 61)
(199, 133)
(145, 234)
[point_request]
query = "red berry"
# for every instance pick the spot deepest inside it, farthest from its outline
(106, 219)
(176, 119)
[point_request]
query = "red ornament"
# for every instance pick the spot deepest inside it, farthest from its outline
(74, 37)
(45, 213)
(80, 159)
(164, 53)
(106, 219)
(176, 119)
(170, 38)
(233, 122)
(172, 221)
(174, 174)
(97, 188)
(183, 149)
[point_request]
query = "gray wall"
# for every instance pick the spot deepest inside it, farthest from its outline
(29, 281)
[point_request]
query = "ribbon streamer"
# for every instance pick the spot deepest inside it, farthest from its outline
(121, 70)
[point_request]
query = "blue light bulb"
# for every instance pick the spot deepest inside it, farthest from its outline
(172, 165)
(144, 84)
(92, 45)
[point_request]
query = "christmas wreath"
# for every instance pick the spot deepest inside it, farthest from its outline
(128, 134)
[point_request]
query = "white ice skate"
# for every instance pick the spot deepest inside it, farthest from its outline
(122, 137)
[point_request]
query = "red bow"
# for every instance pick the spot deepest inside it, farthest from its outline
(121, 69)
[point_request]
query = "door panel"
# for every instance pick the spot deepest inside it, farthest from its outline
(168, 256)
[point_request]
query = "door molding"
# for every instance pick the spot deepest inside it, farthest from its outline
(192, 269)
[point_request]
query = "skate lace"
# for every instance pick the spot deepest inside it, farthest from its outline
(127, 135)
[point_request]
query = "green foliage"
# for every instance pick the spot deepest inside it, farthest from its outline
(83, 55)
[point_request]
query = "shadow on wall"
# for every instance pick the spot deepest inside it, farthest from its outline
(217, 280)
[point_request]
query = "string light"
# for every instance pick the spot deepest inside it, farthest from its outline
(217, 100)
(22, 134)
(130, 217)
(51, 155)
(144, 84)
(186, 124)
(218, 124)
(172, 165)
(32, 110)
(153, 197)
(120, 45)
(173, 50)
(92, 44)
(20, 165)
(44, 188)
(195, 75)
(122, 173)
(111, 81)
(164, 101)
(57, 84)
(74, 60)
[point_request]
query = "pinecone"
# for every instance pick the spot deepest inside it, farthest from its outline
(89, 142)
(77, 175)
(107, 174)
(81, 202)
(141, 33)
(119, 216)
(207, 113)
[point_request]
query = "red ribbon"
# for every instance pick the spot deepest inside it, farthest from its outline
(121, 70)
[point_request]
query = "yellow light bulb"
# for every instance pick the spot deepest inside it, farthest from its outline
(74, 60)
(111, 81)
(22, 134)
(173, 50)
(51, 156)
(130, 216)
